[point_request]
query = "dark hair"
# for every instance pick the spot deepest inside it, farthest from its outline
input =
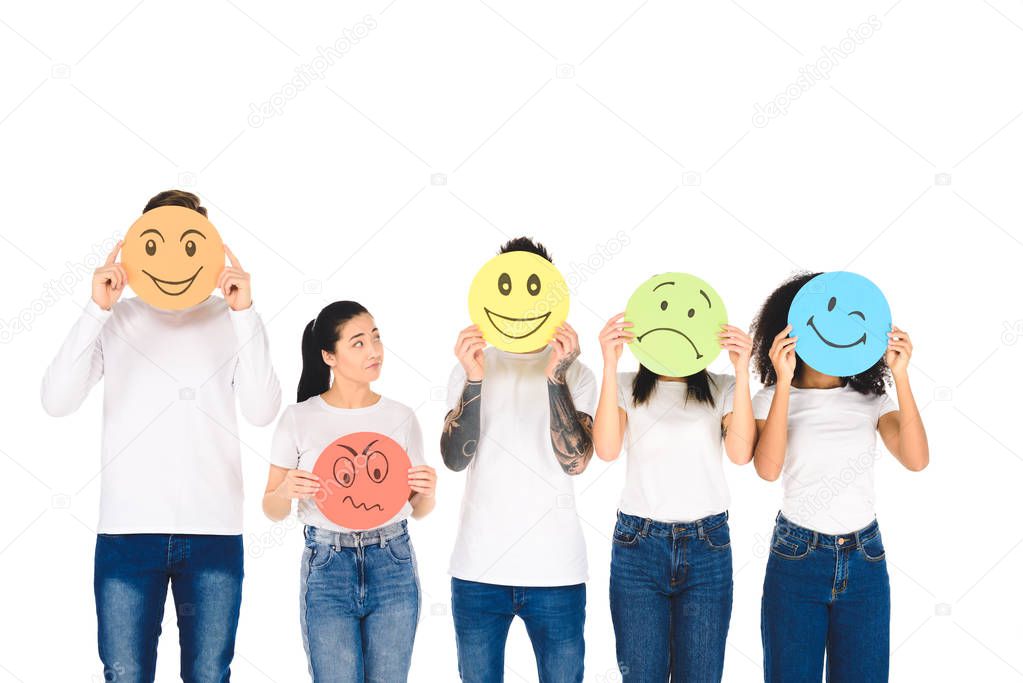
(322, 334)
(526, 244)
(643, 386)
(772, 319)
(175, 198)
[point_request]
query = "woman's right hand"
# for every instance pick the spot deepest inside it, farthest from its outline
(783, 355)
(108, 280)
(613, 336)
(298, 484)
(469, 352)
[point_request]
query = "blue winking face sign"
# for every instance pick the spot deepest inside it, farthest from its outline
(842, 320)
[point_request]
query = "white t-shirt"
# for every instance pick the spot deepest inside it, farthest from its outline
(306, 428)
(673, 467)
(170, 455)
(518, 523)
(828, 472)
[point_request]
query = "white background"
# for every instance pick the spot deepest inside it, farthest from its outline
(450, 126)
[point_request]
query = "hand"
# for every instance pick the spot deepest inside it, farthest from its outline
(739, 347)
(900, 348)
(469, 352)
(298, 484)
(422, 479)
(783, 355)
(108, 280)
(235, 283)
(613, 336)
(565, 344)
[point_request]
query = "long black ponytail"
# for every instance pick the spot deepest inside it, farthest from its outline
(321, 335)
(697, 386)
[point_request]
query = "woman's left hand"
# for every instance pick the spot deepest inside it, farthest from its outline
(900, 348)
(738, 344)
(422, 479)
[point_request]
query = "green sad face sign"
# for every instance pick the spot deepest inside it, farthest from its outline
(676, 319)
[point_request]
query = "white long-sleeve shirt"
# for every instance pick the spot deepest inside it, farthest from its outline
(170, 454)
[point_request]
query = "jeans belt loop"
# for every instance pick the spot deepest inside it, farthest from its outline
(856, 534)
(699, 530)
(383, 541)
(646, 528)
(336, 541)
(815, 540)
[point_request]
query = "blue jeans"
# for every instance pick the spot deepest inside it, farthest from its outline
(825, 594)
(553, 616)
(130, 581)
(359, 604)
(671, 597)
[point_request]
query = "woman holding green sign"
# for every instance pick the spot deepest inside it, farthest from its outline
(671, 562)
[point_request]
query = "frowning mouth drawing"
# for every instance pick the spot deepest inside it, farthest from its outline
(672, 329)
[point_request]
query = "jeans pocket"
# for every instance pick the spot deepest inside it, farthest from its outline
(873, 549)
(718, 538)
(789, 547)
(624, 535)
(317, 555)
(400, 549)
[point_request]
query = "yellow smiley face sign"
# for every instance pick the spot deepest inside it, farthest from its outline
(173, 257)
(517, 299)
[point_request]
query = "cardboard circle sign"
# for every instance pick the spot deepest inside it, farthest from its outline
(676, 320)
(173, 257)
(365, 480)
(842, 320)
(517, 299)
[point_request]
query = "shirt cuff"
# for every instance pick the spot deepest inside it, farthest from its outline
(92, 310)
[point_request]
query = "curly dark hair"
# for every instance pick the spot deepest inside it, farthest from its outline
(772, 319)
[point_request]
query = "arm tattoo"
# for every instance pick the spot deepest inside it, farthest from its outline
(461, 432)
(571, 431)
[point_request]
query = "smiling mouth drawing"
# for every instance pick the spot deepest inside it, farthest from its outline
(355, 505)
(540, 318)
(861, 340)
(672, 329)
(169, 292)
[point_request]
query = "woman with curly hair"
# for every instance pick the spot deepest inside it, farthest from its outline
(826, 588)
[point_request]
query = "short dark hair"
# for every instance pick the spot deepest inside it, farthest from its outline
(175, 198)
(526, 244)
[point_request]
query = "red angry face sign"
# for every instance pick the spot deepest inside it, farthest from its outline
(365, 480)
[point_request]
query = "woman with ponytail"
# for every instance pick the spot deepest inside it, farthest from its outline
(671, 561)
(360, 599)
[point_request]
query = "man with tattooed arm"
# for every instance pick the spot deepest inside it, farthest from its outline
(520, 425)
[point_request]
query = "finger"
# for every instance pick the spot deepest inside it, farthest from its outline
(230, 282)
(112, 256)
(784, 332)
(231, 257)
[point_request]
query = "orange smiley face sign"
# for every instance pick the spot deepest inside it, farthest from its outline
(173, 257)
(365, 480)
